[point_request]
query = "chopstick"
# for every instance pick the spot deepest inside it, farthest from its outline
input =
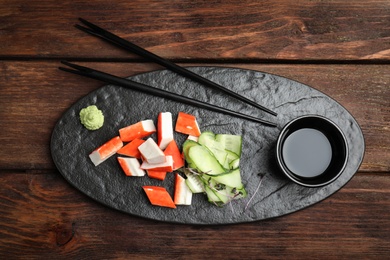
(111, 79)
(116, 40)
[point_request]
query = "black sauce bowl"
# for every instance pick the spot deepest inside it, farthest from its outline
(337, 143)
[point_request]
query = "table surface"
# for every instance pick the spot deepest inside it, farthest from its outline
(341, 48)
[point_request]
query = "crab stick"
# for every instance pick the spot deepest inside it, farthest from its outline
(193, 138)
(159, 196)
(166, 166)
(131, 166)
(137, 130)
(164, 129)
(182, 195)
(150, 152)
(159, 175)
(106, 150)
(187, 124)
(131, 149)
(173, 150)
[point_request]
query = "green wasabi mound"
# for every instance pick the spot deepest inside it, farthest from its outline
(91, 117)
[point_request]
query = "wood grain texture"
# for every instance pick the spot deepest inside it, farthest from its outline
(44, 217)
(34, 95)
(256, 30)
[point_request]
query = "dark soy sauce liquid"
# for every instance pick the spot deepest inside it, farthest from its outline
(307, 152)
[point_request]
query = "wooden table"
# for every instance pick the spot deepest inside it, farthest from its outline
(341, 48)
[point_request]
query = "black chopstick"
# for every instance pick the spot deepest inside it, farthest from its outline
(111, 79)
(112, 38)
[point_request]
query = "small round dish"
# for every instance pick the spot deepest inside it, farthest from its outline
(312, 151)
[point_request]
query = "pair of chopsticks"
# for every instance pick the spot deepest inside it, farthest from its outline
(118, 41)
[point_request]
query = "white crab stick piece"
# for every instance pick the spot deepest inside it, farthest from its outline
(193, 138)
(182, 195)
(138, 130)
(151, 153)
(131, 166)
(106, 150)
(164, 129)
(166, 166)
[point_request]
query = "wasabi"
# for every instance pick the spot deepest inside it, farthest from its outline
(91, 117)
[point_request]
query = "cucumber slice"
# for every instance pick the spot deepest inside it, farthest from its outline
(212, 197)
(227, 193)
(231, 143)
(232, 178)
(216, 158)
(222, 192)
(194, 183)
(221, 156)
(242, 193)
(204, 160)
(186, 146)
(231, 156)
(234, 164)
(207, 139)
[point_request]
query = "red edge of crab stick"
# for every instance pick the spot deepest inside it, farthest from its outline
(187, 124)
(131, 149)
(151, 153)
(164, 129)
(106, 150)
(159, 175)
(182, 195)
(131, 166)
(173, 150)
(159, 196)
(166, 166)
(138, 130)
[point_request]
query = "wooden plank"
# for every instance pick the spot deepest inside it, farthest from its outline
(34, 95)
(260, 30)
(43, 216)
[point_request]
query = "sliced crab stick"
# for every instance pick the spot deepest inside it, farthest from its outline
(166, 166)
(193, 138)
(173, 150)
(106, 150)
(159, 175)
(164, 129)
(131, 166)
(182, 195)
(131, 149)
(159, 196)
(150, 152)
(137, 130)
(187, 124)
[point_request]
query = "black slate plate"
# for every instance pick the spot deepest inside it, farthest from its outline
(71, 143)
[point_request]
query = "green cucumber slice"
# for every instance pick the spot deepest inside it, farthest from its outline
(186, 146)
(221, 156)
(231, 157)
(232, 178)
(216, 158)
(234, 164)
(194, 183)
(207, 139)
(242, 193)
(222, 192)
(227, 193)
(204, 160)
(231, 143)
(212, 197)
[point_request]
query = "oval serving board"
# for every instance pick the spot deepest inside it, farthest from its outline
(106, 183)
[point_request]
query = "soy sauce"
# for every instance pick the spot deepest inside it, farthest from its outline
(307, 152)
